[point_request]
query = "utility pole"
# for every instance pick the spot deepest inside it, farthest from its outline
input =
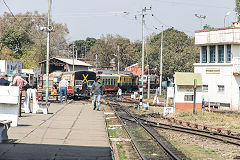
(194, 95)
(73, 56)
(49, 29)
(76, 54)
(96, 62)
(118, 57)
(148, 78)
(160, 81)
(141, 87)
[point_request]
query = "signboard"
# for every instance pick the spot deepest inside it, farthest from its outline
(13, 67)
(213, 71)
(170, 92)
(167, 110)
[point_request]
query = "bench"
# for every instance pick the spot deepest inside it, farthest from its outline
(4, 125)
(43, 106)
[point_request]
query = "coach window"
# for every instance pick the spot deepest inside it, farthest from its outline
(114, 82)
(78, 82)
(108, 82)
(90, 83)
(111, 82)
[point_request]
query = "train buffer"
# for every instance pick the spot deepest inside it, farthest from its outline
(4, 125)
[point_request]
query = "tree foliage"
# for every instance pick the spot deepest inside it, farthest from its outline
(83, 46)
(107, 52)
(179, 52)
(21, 38)
(237, 8)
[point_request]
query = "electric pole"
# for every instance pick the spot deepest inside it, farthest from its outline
(160, 81)
(49, 29)
(73, 55)
(143, 22)
(118, 57)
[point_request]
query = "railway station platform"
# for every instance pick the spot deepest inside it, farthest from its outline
(68, 132)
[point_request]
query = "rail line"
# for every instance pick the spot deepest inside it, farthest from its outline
(147, 144)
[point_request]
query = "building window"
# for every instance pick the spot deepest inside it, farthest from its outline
(205, 88)
(220, 53)
(204, 54)
(220, 88)
(229, 54)
(188, 97)
(212, 54)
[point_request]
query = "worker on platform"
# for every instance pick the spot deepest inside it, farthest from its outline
(156, 95)
(119, 93)
(97, 92)
(63, 84)
(21, 83)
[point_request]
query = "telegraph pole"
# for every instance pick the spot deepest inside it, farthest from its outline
(49, 29)
(141, 87)
(96, 62)
(118, 57)
(160, 82)
(73, 56)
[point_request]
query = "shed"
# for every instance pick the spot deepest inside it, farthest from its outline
(64, 65)
(184, 90)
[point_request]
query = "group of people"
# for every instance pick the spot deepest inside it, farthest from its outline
(96, 91)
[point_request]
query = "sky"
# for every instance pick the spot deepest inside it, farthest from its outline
(96, 18)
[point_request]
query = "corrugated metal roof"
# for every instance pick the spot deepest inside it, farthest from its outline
(76, 62)
(187, 78)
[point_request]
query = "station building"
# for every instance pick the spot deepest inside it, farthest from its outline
(220, 65)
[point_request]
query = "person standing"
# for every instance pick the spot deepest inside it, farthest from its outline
(63, 84)
(156, 95)
(20, 82)
(3, 81)
(119, 93)
(97, 92)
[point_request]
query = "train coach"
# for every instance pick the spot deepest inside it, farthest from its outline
(79, 83)
(110, 83)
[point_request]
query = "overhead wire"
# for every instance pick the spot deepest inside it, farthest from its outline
(19, 24)
(192, 4)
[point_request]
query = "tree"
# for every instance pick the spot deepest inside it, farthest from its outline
(106, 49)
(237, 8)
(23, 38)
(83, 46)
(179, 52)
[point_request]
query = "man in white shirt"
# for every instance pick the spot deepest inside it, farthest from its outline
(63, 84)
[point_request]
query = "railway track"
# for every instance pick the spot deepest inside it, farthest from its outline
(146, 141)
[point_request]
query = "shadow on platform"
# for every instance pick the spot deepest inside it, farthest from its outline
(23, 151)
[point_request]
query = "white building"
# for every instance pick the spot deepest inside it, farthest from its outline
(220, 65)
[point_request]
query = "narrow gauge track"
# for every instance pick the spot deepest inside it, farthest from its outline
(146, 143)
(231, 139)
(204, 133)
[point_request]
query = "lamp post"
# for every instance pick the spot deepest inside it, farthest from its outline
(201, 17)
(227, 14)
(49, 29)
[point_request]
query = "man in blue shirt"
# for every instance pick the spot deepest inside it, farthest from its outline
(97, 91)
